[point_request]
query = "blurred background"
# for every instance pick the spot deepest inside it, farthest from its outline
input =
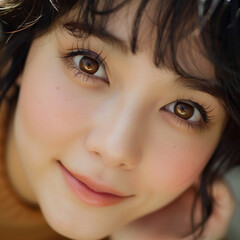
(233, 178)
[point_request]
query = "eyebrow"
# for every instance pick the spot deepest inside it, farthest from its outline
(209, 86)
(80, 29)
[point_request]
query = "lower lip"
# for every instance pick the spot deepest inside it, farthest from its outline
(86, 194)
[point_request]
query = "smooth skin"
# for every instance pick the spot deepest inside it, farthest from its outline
(117, 128)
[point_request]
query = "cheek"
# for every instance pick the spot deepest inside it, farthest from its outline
(176, 163)
(51, 107)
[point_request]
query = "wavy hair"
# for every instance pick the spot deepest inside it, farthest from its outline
(218, 23)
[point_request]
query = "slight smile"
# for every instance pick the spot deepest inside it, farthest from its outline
(89, 192)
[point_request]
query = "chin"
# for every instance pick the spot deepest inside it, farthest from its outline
(80, 229)
(79, 233)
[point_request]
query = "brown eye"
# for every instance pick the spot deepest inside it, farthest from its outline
(187, 112)
(88, 65)
(183, 110)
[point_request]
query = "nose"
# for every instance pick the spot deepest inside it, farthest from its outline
(117, 138)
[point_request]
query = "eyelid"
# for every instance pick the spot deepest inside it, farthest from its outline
(86, 52)
(69, 61)
(203, 109)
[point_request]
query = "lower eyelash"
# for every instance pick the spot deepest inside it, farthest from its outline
(197, 127)
(200, 126)
(204, 109)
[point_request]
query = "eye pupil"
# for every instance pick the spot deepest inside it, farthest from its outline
(89, 65)
(184, 110)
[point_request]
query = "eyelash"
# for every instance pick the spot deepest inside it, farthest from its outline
(204, 110)
(83, 76)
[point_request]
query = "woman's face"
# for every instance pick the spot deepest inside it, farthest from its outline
(136, 136)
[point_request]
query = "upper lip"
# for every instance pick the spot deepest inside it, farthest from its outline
(96, 187)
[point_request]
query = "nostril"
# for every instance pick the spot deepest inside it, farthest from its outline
(96, 153)
(129, 165)
(95, 150)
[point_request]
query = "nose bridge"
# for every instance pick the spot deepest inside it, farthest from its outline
(125, 127)
(120, 133)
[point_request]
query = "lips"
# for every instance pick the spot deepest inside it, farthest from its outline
(90, 192)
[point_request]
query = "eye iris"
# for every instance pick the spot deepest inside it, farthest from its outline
(184, 110)
(89, 65)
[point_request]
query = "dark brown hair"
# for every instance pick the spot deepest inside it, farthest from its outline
(173, 20)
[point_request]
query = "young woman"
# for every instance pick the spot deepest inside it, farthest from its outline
(119, 118)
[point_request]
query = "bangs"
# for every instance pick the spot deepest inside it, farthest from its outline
(174, 29)
(181, 32)
(171, 22)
